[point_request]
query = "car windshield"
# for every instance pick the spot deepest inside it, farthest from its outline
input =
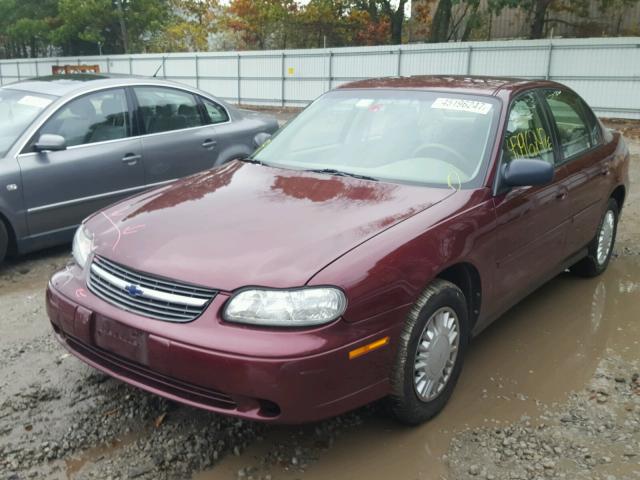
(17, 110)
(423, 137)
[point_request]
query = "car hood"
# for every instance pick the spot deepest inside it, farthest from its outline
(245, 224)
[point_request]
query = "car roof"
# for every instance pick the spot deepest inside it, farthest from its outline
(61, 85)
(481, 85)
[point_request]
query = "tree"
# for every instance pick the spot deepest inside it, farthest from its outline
(396, 18)
(121, 26)
(262, 23)
(25, 26)
(441, 21)
(190, 26)
(385, 12)
(539, 8)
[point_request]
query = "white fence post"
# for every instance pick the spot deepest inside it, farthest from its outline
(282, 79)
(238, 73)
(197, 72)
(330, 70)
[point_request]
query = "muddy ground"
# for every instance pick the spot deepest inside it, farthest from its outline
(551, 390)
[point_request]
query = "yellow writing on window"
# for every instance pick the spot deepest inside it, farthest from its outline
(529, 143)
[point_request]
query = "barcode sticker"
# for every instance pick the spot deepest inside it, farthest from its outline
(462, 105)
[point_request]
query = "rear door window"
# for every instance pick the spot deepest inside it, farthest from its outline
(573, 129)
(592, 123)
(167, 109)
(527, 135)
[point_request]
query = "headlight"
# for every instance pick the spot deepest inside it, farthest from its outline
(82, 244)
(300, 307)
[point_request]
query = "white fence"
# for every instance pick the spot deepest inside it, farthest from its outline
(605, 71)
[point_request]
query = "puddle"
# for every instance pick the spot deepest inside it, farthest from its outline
(548, 345)
(75, 463)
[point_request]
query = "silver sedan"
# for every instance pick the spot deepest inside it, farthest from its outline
(70, 145)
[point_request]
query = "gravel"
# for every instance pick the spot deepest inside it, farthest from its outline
(594, 435)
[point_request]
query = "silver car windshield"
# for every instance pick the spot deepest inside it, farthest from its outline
(423, 137)
(17, 110)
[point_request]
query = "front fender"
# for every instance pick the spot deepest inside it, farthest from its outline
(389, 271)
(12, 209)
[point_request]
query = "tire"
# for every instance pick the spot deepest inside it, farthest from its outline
(593, 264)
(407, 404)
(4, 241)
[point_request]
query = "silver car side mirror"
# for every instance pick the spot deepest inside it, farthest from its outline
(261, 138)
(49, 142)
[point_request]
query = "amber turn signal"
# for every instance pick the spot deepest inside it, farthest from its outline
(358, 352)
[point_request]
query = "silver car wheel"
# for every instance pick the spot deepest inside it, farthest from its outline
(436, 354)
(605, 237)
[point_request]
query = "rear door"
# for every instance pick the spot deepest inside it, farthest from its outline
(101, 164)
(587, 182)
(532, 221)
(178, 139)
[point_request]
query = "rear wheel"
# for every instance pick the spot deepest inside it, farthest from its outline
(430, 353)
(4, 241)
(601, 247)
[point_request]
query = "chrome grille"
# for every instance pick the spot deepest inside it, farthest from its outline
(147, 295)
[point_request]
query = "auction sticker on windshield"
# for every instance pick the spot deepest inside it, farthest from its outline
(31, 101)
(459, 104)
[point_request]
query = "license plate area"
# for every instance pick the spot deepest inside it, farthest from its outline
(120, 339)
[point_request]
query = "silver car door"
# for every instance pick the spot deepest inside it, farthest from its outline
(101, 163)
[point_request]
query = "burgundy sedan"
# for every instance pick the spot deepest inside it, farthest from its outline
(353, 256)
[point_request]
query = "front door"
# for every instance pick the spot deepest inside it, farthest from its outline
(178, 140)
(100, 165)
(531, 222)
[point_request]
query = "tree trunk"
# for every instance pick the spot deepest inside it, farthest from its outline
(123, 27)
(397, 20)
(441, 22)
(539, 12)
(472, 23)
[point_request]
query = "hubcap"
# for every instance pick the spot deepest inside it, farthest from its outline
(436, 354)
(605, 237)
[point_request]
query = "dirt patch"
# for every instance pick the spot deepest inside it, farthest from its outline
(629, 128)
(60, 419)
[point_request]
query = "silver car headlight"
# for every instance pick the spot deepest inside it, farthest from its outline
(299, 307)
(82, 245)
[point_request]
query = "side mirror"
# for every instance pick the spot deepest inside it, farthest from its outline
(49, 142)
(261, 138)
(524, 172)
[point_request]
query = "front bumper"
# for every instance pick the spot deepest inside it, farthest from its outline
(296, 377)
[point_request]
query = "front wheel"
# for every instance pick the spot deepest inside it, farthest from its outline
(600, 248)
(429, 360)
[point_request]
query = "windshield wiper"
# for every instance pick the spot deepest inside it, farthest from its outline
(252, 160)
(333, 171)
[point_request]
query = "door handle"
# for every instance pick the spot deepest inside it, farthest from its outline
(606, 170)
(131, 158)
(209, 144)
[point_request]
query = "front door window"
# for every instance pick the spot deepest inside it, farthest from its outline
(527, 133)
(93, 118)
